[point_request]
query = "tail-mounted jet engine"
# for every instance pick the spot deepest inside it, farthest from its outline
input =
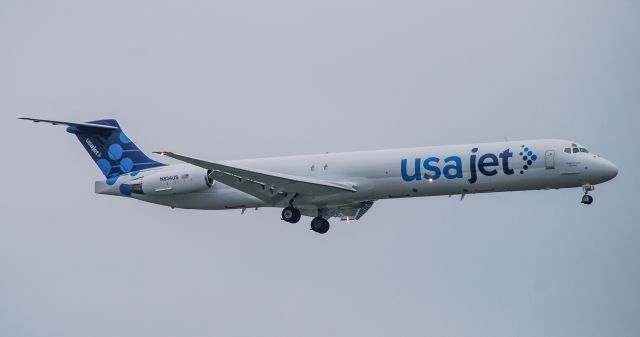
(167, 182)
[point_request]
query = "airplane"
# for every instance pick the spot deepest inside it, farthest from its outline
(343, 185)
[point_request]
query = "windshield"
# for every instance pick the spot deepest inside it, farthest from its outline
(575, 149)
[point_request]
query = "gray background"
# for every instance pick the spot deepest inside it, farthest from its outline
(242, 79)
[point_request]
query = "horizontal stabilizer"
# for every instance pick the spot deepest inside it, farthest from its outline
(113, 152)
(81, 126)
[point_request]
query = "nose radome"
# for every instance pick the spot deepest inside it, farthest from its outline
(610, 170)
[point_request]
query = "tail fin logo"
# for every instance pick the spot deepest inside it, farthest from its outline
(113, 152)
(94, 149)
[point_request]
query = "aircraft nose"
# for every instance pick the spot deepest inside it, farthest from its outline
(609, 170)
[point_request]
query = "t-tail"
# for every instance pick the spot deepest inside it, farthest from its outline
(109, 147)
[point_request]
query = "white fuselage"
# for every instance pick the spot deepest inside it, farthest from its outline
(384, 174)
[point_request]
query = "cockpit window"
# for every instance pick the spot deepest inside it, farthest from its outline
(575, 149)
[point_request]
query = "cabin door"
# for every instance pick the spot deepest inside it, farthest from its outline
(549, 159)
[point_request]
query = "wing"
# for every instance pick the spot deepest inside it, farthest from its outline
(346, 212)
(364, 208)
(353, 211)
(265, 185)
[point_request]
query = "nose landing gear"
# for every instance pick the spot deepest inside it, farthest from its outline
(586, 198)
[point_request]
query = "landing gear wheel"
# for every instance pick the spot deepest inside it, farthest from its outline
(587, 199)
(291, 214)
(320, 225)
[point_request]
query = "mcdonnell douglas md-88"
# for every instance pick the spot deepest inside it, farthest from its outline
(343, 185)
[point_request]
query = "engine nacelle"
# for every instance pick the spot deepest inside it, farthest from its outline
(172, 181)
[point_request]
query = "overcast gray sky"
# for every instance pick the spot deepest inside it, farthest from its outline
(241, 79)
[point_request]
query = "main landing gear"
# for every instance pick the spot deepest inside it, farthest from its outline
(318, 224)
(586, 198)
(291, 214)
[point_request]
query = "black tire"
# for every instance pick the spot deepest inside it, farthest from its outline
(325, 226)
(587, 199)
(291, 214)
(320, 225)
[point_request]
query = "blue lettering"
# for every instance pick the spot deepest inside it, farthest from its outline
(457, 166)
(416, 172)
(472, 166)
(431, 168)
(487, 164)
(505, 161)
(483, 163)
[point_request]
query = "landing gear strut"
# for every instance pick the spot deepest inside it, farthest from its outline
(291, 214)
(586, 198)
(319, 225)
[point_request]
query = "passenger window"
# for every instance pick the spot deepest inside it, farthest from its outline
(575, 150)
(567, 150)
